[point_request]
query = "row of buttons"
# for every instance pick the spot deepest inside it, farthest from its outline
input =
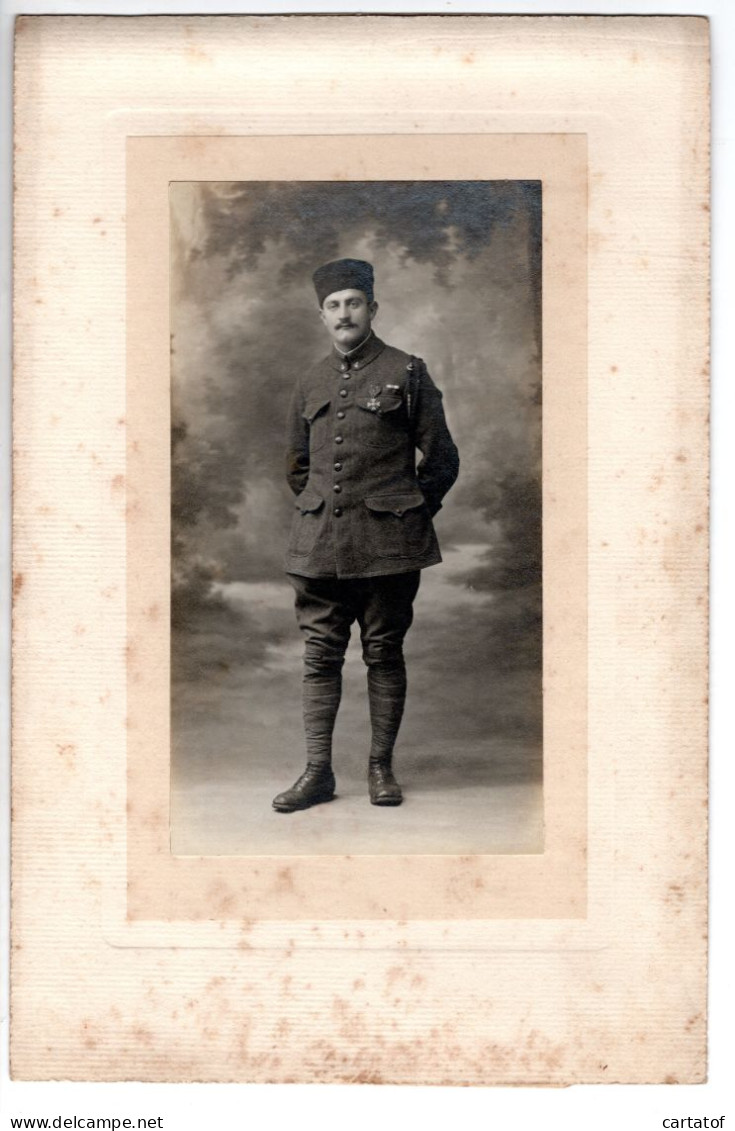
(337, 487)
(337, 512)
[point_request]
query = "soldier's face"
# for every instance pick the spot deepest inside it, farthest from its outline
(348, 316)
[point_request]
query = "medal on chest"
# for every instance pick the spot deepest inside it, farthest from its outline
(373, 403)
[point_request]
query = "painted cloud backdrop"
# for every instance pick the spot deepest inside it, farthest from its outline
(457, 268)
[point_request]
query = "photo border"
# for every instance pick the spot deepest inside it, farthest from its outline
(551, 884)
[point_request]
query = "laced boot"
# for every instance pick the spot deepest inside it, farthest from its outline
(315, 785)
(383, 787)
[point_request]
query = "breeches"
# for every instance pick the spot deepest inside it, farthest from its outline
(326, 609)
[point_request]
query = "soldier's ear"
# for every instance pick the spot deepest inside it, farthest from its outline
(373, 308)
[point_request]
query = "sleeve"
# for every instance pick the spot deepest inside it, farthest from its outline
(297, 443)
(439, 465)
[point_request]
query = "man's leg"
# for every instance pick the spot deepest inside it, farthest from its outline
(385, 617)
(325, 618)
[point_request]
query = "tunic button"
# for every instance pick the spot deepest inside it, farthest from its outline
(338, 466)
(336, 488)
(343, 392)
(343, 366)
(346, 376)
(356, 365)
(338, 439)
(337, 511)
(340, 415)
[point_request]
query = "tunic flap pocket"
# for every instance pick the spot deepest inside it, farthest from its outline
(309, 502)
(313, 408)
(395, 503)
(380, 403)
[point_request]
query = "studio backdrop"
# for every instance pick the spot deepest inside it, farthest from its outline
(458, 280)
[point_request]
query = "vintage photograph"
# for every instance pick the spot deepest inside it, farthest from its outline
(416, 881)
(356, 604)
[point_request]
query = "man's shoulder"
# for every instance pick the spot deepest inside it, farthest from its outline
(315, 371)
(393, 354)
(393, 358)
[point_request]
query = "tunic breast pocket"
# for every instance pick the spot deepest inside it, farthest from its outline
(381, 421)
(316, 414)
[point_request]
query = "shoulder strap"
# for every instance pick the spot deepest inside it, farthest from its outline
(415, 366)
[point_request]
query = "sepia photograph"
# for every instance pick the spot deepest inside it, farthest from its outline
(356, 517)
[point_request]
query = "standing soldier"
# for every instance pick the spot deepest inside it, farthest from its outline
(362, 531)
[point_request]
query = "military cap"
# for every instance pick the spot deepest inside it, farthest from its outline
(343, 275)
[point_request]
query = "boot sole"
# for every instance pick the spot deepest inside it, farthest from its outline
(300, 808)
(387, 801)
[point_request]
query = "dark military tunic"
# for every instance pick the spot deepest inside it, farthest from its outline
(363, 508)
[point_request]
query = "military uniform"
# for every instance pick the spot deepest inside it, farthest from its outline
(363, 508)
(361, 533)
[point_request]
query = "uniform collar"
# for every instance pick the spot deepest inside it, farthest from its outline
(358, 358)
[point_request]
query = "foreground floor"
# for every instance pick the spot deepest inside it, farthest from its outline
(469, 750)
(232, 817)
(476, 795)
